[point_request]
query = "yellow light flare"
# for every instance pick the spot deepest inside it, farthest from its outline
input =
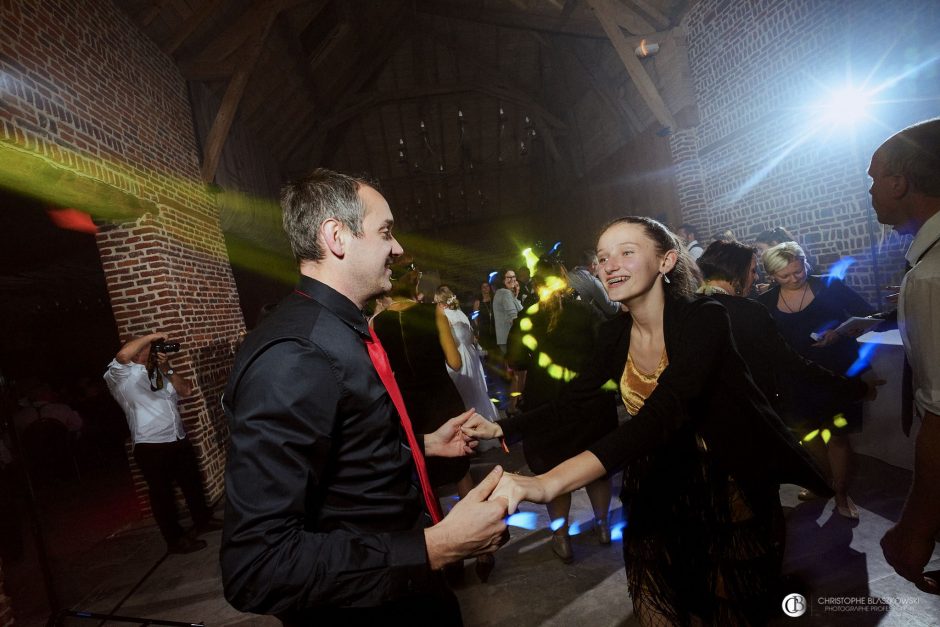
(544, 360)
(532, 310)
(530, 259)
(809, 437)
(826, 434)
(840, 421)
(525, 324)
(529, 341)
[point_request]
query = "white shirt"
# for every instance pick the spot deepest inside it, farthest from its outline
(919, 315)
(153, 417)
(695, 249)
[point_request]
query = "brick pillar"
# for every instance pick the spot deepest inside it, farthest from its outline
(6, 605)
(169, 273)
(690, 185)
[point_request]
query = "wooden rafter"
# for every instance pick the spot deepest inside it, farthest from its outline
(208, 70)
(191, 23)
(512, 19)
(660, 20)
(635, 69)
(156, 7)
(602, 89)
(625, 18)
(222, 123)
(238, 33)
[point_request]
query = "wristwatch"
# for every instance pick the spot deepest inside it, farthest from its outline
(169, 372)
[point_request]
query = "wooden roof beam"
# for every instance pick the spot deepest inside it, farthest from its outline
(191, 23)
(625, 18)
(661, 21)
(222, 124)
(511, 19)
(635, 69)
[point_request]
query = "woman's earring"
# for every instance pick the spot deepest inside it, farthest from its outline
(665, 278)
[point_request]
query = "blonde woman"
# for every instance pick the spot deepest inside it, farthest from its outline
(806, 309)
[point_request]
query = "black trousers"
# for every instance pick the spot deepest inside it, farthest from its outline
(163, 465)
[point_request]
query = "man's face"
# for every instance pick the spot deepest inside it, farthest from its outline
(371, 255)
(884, 195)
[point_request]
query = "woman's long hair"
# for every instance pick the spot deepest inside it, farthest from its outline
(683, 279)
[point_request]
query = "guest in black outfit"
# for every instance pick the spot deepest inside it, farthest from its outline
(551, 346)
(803, 305)
(323, 522)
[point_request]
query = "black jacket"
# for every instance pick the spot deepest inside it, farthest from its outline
(705, 387)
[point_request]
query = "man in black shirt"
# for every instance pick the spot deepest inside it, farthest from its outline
(322, 512)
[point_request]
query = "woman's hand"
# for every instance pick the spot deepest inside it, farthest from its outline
(479, 428)
(516, 488)
(449, 440)
(827, 338)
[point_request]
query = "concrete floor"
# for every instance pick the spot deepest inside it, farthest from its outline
(127, 573)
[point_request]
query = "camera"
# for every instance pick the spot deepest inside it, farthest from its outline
(164, 347)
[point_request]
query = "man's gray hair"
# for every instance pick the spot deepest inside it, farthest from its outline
(310, 201)
(914, 153)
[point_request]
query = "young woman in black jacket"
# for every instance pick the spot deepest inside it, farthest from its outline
(702, 456)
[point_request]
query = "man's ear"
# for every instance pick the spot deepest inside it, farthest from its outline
(899, 186)
(334, 237)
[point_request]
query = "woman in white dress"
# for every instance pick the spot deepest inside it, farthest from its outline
(469, 380)
(471, 385)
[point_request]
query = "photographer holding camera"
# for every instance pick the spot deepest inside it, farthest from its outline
(148, 388)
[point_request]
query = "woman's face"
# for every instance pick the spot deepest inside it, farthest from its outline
(792, 276)
(628, 262)
(485, 289)
(751, 277)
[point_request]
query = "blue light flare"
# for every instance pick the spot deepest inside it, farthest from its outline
(616, 531)
(557, 524)
(491, 275)
(839, 269)
(574, 528)
(865, 354)
(523, 520)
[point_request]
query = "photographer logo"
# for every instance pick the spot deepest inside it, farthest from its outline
(794, 605)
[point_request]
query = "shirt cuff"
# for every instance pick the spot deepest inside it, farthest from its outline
(408, 564)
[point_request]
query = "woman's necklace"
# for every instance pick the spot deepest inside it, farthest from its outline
(802, 298)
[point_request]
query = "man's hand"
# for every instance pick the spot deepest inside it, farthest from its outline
(908, 553)
(449, 440)
(475, 526)
(479, 428)
(516, 488)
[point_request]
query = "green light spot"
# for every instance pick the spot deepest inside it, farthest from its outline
(840, 421)
(534, 309)
(826, 434)
(530, 342)
(811, 435)
(544, 360)
(525, 324)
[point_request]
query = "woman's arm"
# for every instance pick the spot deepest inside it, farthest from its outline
(571, 474)
(446, 337)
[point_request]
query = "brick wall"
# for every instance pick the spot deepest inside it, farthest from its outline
(85, 91)
(756, 160)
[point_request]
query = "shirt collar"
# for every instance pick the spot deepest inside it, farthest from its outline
(926, 236)
(339, 305)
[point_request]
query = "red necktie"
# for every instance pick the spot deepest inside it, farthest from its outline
(384, 368)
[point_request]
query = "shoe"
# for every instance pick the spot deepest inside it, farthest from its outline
(561, 547)
(212, 524)
(186, 544)
(603, 531)
(484, 566)
(807, 495)
(849, 510)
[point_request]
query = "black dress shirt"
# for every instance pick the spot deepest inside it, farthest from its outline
(321, 509)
